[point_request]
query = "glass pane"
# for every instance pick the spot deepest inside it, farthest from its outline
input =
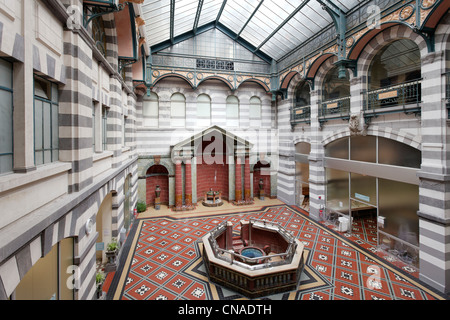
(255, 108)
(6, 122)
(395, 63)
(398, 154)
(337, 190)
(337, 149)
(39, 157)
(364, 188)
(334, 87)
(150, 108)
(398, 204)
(6, 163)
(363, 148)
(302, 95)
(55, 126)
(302, 171)
(47, 125)
(41, 88)
(6, 77)
(38, 125)
(177, 109)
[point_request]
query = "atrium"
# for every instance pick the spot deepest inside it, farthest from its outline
(130, 130)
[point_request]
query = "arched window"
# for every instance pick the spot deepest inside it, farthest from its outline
(255, 108)
(150, 110)
(302, 95)
(177, 110)
(301, 110)
(334, 87)
(335, 94)
(203, 110)
(232, 111)
(394, 75)
(97, 28)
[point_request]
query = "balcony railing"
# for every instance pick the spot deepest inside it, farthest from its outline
(336, 108)
(406, 93)
(301, 114)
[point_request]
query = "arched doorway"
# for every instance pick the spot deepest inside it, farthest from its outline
(157, 175)
(261, 171)
(104, 227)
(302, 151)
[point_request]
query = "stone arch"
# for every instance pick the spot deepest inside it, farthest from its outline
(172, 74)
(222, 79)
(369, 44)
(167, 163)
(322, 71)
(257, 81)
(402, 137)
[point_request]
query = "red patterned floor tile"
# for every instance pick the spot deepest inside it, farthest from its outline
(196, 292)
(177, 263)
(347, 291)
(141, 290)
(179, 284)
(161, 276)
(162, 294)
(145, 268)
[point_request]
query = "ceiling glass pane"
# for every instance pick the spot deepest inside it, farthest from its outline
(185, 12)
(237, 12)
(277, 26)
(210, 10)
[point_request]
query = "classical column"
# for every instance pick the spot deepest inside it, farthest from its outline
(188, 181)
(178, 185)
(247, 190)
(238, 181)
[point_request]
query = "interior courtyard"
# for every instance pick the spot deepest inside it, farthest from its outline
(141, 140)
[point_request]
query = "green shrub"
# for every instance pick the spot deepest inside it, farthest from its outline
(141, 206)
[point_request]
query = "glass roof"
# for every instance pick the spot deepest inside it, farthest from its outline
(275, 27)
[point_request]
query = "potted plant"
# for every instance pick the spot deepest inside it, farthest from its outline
(112, 249)
(99, 280)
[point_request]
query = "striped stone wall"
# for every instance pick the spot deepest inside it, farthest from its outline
(84, 76)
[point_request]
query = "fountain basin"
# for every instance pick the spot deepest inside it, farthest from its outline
(250, 270)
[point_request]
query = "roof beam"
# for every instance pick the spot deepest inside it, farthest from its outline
(283, 23)
(172, 19)
(221, 10)
(197, 15)
(248, 20)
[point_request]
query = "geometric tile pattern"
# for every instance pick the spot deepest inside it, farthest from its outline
(163, 262)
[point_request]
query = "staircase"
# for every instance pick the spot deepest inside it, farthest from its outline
(237, 244)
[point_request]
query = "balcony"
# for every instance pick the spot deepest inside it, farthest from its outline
(334, 109)
(404, 97)
(300, 114)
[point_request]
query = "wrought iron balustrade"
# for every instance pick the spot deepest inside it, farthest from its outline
(300, 114)
(336, 108)
(396, 95)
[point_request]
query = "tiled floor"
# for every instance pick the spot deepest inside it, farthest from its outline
(161, 259)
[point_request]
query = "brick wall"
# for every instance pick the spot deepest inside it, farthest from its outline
(160, 177)
(205, 179)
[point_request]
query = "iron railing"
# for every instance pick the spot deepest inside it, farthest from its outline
(397, 95)
(249, 263)
(336, 108)
(300, 114)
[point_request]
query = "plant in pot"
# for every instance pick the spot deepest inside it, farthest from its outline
(112, 249)
(99, 280)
